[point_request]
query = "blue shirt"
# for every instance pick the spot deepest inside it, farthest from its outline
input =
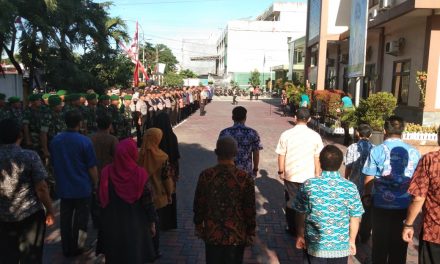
(328, 202)
(248, 141)
(392, 164)
(357, 154)
(347, 102)
(72, 155)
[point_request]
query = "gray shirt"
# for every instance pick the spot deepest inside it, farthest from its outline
(20, 170)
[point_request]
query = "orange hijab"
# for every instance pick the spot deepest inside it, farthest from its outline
(151, 157)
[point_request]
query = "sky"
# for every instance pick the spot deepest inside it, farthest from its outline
(170, 21)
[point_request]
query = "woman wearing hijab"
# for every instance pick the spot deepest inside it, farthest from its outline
(170, 146)
(128, 214)
(155, 162)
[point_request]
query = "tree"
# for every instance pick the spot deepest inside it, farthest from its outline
(164, 53)
(173, 79)
(255, 78)
(188, 74)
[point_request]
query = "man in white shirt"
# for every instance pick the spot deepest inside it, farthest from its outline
(298, 160)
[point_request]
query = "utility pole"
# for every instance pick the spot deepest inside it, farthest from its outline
(157, 64)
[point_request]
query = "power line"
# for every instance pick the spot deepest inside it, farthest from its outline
(169, 2)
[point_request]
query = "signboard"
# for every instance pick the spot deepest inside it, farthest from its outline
(358, 38)
(314, 19)
(161, 68)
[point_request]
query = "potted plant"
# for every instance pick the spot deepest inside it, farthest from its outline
(373, 111)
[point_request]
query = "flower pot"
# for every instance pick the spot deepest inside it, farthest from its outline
(377, 137)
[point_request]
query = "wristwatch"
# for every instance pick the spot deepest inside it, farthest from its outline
(280, 172)
(405, 225)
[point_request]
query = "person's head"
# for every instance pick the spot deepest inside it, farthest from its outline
(126, 155)
(239, 114)
(14, 102)
(2, 99)
(152, 137)
(10, 131)
(226, 148)
(104, 100)
(114, 100)
(394, 126)
(331, 158)
(104, 122)
(364, 131)
(55, 103)
(35, 100)
(127, 100)
(163, 122)
(302, 115)
(75, 99)
(92, 99)
(73, 119)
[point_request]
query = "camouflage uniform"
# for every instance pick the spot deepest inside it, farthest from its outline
(116, 120)
(126, 122)
(32, 118)
(4, 114)
(52, 123)
(16, 114)
(90, 115)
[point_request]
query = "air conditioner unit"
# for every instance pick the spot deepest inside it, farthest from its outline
(372, 15)
(343, 58)
(392, 47)
(385, 4)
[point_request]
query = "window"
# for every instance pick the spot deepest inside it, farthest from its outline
(373, 3)
(401, 81)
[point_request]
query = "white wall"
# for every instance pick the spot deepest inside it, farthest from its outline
(11, 85)
(249, 42)
(338, 16)
(412, 29)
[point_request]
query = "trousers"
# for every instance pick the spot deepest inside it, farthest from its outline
(224, 254)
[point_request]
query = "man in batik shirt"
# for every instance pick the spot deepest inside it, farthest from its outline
(249, 144)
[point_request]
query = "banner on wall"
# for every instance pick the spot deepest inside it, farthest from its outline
(358, 38)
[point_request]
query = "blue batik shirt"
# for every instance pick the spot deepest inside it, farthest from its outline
(328, 202)
(392, 164)
(357, 154)
(248, 141)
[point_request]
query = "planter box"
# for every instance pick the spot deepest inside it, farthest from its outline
(334, 131)
(419, 136)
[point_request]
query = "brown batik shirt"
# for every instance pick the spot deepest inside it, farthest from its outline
(224, 206)
(426, 183)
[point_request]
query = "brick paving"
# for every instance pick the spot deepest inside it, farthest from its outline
(197, 137)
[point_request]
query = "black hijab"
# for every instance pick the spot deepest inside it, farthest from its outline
(169, 143)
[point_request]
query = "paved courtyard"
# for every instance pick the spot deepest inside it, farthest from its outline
(197, 137)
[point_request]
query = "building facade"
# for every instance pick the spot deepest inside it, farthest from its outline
(259, 44)
(403, 38)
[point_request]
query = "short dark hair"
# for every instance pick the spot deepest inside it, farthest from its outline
(331, 158)
(9, 131)
(239, 113)
(104, 121)
(364, 130)
(73, 119)
(226, 148)
(394, 125)
(303, 114)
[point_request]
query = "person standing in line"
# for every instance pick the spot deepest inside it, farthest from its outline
(203, 101)
(3, 109)
(128, 215)
(357, 154)
(170, 145)
(249, 144)
(75, 168)
(284, 102)
(224, 207)
(234, 96)
(329, 210)
(25, 204)
(32, 123)
(425, 191)
(251, 92)
(389, 170)
(298, 160)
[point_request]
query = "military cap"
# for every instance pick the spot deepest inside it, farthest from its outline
(74, 97)
(128, 97)
(92, 96)
(13, 99)
(114, 97)
(61, 92)
(54, 100)
(34, 97)
(104, 97)
(2, 96)
(45, 96)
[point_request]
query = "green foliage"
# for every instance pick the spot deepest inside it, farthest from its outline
(164, 53)
(416, 128)
(294, 92)
(188, 74)
(373, 111)
(255, 78)
(173, 79)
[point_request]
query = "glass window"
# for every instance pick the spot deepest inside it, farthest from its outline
(401, 81)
